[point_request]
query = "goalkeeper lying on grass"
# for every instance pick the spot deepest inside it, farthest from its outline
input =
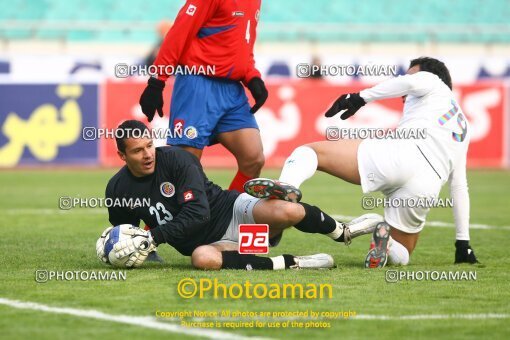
(198, 218)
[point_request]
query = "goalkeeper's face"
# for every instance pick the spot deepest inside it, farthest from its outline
(140, 156)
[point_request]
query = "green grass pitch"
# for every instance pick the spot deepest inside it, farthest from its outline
(36, 235)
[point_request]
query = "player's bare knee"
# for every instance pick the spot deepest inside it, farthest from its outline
(206, 257)
(252, 165)
(290, 213)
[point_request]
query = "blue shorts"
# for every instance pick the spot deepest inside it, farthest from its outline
(204, 107)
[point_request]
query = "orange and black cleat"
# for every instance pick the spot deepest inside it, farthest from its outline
(378, 254)
(272, 189)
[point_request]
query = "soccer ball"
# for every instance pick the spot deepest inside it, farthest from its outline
(116, 235)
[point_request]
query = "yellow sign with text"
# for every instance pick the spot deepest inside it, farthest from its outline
(45, 130)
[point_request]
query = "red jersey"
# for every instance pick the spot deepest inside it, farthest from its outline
(215, 33)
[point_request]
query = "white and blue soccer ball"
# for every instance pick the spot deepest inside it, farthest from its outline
(108, 240)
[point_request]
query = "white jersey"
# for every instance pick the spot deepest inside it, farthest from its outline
(430, 104)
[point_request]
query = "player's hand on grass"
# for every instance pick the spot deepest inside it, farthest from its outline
(151, 99)
(140, 242)
(259, 93)
(100, 244)
(350, 103)
(464, 253)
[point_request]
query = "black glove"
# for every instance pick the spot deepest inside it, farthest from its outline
(151, 99)
(464, 253)
(258, 92)
(351, 102)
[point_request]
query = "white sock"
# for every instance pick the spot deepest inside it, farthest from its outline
(300, 166)
(398, 254)
(278, 262)
(339, 230)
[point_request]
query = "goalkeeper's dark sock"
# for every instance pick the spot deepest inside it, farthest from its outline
(317, 221)
(234, 260)
(238, 181)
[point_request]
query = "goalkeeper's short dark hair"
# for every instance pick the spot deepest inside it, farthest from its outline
(128, 129)
(434, 66)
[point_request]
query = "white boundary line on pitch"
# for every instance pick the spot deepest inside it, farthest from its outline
(437, 224)
(50, 211)
(140, 321)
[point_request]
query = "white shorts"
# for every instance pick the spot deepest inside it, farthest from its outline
(401, 172)
(242, 214)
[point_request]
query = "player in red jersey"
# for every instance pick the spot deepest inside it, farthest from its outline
(211, 108)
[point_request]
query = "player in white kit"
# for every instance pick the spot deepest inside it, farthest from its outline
(402, 169)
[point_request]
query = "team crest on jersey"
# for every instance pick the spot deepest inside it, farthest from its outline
(191, 10)
(257, 15)
(191, 132)
(167, 189)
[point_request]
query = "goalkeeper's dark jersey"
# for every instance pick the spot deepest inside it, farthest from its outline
(186, 209)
